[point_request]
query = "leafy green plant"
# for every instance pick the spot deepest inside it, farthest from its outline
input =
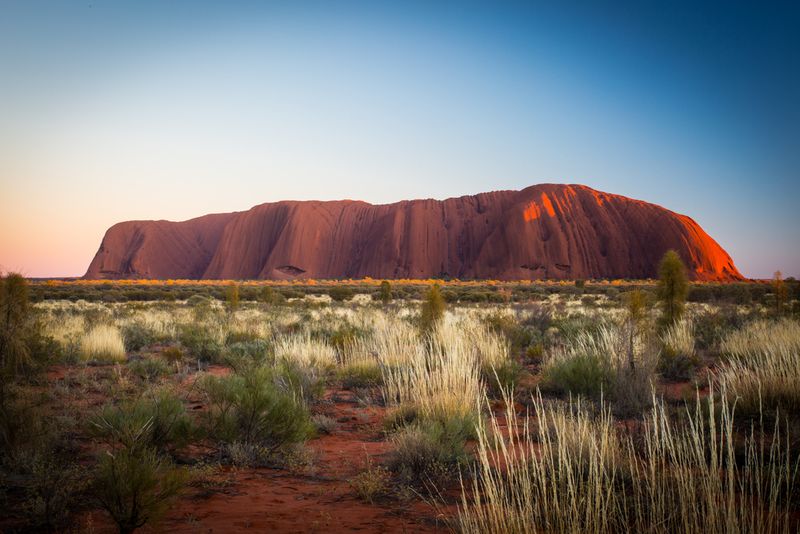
(201, 343)
(433, 308)
(430, 451)
(246, 354)
(385, 292)
(137, 336)
(232, 297)
(52, 485)
(157, 420)
(135, 486)
(585, 375)
(341, 293)
(251, 408)
(673, 287)
(149, 369)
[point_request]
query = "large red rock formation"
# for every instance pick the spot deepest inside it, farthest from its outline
(543, 231)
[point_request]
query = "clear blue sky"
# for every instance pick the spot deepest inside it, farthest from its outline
(112, 111)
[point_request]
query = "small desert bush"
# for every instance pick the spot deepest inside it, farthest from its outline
(341, 293)
(53, 486)
(135, 486)
(600, 364)
(306, 382)
(202, 342)
(242, 454)
(252, 408)
(678, 359)
(246, 354)
(372, 482)
(712, 327)
(585, 375)
(433, 308)
(24, 345)
(103, 343)
(157, 420)
(324, 424)
(762, 367)
(173, 354)
(430, 452)
(518, 335)
(149, 369)
(137, 335)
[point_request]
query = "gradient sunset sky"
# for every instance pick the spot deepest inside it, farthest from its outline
(112, 111)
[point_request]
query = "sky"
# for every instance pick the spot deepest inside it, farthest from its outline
(113, 111)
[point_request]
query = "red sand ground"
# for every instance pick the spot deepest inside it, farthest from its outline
(318, 499)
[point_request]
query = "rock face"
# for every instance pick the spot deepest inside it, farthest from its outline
(543, 231)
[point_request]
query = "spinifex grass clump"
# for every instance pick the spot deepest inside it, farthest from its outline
(762, 367)
(440, 384)
(602, 364)
(103, 343)
(678, 360)
(435, 398)
(157, 420)
(571, 470)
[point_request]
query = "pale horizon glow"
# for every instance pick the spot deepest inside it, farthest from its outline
(115, 111)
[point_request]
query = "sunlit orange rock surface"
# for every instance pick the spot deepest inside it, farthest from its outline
(543, 231)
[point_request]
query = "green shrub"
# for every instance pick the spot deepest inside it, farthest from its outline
(21, 422)
(676, 365)
(518, 336)
(22, 346)
(385, 292)
(245, 354)
(173, 354)
(137, 335)
(673, 287)
(270, 296)
(305, 381)
(502, 377)
(585, 375)
(52, 486)
(158, 420)
(712, 327)
(135, 486)
(341, 293)
(430, 451)
(201, 343)
(433, 308)
(251, 408)
(149, 369)
(232, 297)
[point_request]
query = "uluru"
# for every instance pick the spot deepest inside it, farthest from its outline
(546, 231)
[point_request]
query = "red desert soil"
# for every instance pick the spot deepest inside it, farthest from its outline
(317, 499)
(543, 231)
